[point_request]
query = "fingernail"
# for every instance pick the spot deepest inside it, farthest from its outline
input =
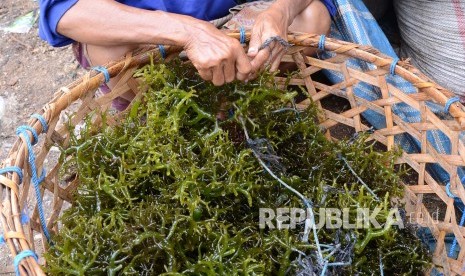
(252, 50)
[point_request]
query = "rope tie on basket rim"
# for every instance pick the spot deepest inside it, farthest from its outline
(25, 129)
(450, 102)
(242, 38)
(462, 220)
(21, 256)
(102, 70)
(22, 131)
(322, 42)
(42, 121)
(162, 51)
(13, 169)
(392, 68)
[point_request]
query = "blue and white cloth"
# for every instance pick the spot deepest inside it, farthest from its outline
(354, 23)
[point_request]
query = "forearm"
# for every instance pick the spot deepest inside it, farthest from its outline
(108, 22)
(288, 9)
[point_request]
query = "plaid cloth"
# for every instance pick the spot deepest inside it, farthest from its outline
(353, 22)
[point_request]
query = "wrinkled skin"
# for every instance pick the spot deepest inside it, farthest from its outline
(217, 57)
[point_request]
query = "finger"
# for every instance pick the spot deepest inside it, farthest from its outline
(243, 65)
(229, 72)
(260, 59)
(218, 75)
(252, 76)
(274, 53)
(206, 74)
(254, 44)
(276, 59)
(241, 77)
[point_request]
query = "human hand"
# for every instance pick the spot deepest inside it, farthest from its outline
(217, 57)
(271, 23)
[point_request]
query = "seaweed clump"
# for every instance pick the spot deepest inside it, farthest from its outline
(175, 190)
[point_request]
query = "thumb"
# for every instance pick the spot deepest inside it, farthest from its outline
(254, 44)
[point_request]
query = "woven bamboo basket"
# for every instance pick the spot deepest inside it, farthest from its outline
(17, 196)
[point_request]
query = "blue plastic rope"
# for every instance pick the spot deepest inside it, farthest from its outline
(450, 102)
(14, 169)
(20, 257)
(449, 192)
(24, 218)
(104, 71)
(392, 68)
(242, 32)
(42, 176)
(2, 240)
(454, 243)
(22, 130)
(321, 43)
(42, 121)
(161, 48)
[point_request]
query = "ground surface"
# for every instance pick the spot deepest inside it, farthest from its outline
(30, 72)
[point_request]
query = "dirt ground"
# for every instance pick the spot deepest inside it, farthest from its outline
(30, 72)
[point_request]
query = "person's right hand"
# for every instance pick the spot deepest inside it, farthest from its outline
(217, 57)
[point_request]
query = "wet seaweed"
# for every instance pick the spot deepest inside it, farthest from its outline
(176, 190)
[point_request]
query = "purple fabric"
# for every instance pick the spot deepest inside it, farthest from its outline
(119, 103)
(78, 52)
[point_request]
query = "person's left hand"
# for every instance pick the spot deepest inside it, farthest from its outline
(270, 23)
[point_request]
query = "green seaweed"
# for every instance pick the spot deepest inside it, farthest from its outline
(174, 190)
